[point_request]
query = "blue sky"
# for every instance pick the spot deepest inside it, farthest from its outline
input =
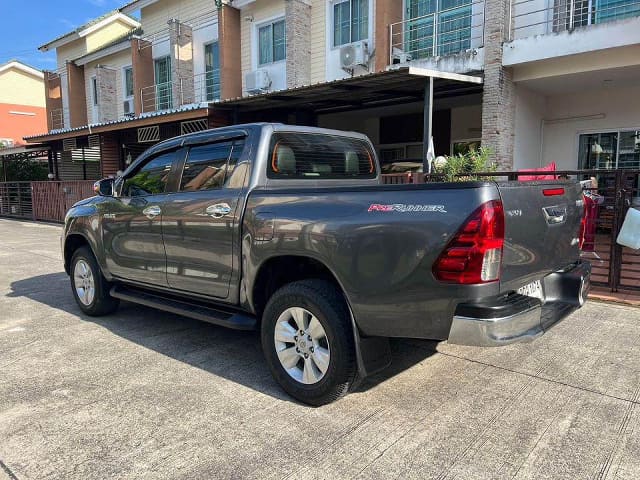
(27, 24)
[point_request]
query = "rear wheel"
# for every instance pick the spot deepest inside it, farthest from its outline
(90, 288)
(308, 341)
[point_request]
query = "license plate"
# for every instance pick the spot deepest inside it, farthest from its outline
(534, 289)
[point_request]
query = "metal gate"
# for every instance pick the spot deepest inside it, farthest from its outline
(625, 262)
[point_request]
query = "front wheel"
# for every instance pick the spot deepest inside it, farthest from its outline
(308, 341)
(90, 288)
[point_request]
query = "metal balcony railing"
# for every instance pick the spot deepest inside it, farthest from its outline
(201, 88)
(443, 32)
(158, 97)
(57, 118)
(537, 17)
(207, 86)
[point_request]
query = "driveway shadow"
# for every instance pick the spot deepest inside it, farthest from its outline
(231, 354)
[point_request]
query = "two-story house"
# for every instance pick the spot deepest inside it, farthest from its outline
(537, 81)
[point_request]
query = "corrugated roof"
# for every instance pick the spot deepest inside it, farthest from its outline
(161, 113)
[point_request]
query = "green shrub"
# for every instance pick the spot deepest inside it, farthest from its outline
(463, 167)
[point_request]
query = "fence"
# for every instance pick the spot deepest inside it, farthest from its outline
(42, 200)
(613, 266)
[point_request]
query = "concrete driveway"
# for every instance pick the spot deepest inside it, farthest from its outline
(143, 394)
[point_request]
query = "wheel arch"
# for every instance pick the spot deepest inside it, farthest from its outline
(72, 243)
(277, 271)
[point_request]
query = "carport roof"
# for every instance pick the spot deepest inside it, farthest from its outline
(397, 85)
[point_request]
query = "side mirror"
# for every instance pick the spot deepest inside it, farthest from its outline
(104, 187)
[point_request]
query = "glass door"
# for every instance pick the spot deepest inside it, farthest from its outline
(164, 100)
(420, 28)
(212, 71)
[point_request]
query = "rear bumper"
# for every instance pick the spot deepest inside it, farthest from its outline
(513, 318)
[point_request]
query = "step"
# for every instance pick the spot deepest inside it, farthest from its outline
(187, 308)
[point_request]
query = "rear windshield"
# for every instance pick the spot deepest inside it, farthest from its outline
(318, 156)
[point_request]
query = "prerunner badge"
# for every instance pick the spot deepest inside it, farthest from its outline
(404, 208)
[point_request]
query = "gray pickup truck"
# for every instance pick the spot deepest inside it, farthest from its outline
(288, 230)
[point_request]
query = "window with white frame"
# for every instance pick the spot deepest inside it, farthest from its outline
(272, 42)
(127, 77)
(350, 21)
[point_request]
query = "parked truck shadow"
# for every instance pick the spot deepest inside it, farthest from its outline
(231, 354)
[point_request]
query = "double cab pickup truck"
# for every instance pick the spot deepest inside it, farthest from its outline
(289, 230)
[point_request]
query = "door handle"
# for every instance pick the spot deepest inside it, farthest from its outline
(218, 210)
(152, 212)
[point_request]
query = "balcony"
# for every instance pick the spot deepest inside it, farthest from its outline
(545, 29)
(536, 17)
(451, 28)
(204, 88)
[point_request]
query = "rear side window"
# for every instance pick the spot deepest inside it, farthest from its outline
(210, 166)
(319, 156)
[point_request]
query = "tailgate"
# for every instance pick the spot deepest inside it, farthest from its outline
(542, 220)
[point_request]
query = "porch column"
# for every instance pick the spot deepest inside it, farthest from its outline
(498, 97)
(77, 95)
(181, 47)
(142, 66)
(387, 12)
(229, 44)
(298, 31)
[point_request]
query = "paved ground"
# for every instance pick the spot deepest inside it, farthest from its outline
(142, 394)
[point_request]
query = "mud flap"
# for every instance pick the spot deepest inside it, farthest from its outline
(373, 354)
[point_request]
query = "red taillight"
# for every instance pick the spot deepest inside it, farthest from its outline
(474, 254)
(552, 192)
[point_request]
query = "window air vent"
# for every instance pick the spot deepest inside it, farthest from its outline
(149, 134)
(68, 144)
(94, 140)
(193, 126)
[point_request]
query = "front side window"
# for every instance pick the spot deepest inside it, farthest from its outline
(151, 178)
(317, 156)
(272, 42)
(350, 21)
(210, 166)
(128, 82)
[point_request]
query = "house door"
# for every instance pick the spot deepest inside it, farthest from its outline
(212, 71)
(164, 95)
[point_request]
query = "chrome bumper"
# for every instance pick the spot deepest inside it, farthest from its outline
(516, 318)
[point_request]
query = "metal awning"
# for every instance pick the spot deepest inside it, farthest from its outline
(394, 86)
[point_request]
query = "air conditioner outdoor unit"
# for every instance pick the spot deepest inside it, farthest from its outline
(257, 81)
(128, 107)
(400, 56)
(354, 55)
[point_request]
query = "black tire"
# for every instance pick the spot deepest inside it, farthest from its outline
(102, 303)
(327, 304)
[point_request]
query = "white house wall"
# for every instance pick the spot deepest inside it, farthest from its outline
(530, 111)
(253, 16)
(333, 71)
(116, 62)
(620, 110)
